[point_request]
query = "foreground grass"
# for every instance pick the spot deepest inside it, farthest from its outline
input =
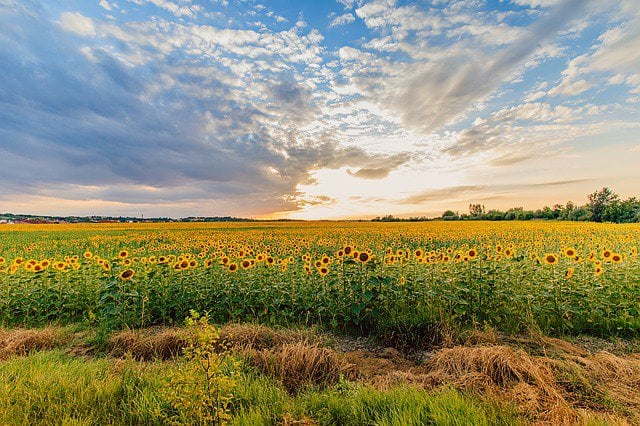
(52, 387)
(56, 375)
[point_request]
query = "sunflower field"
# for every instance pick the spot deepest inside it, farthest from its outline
(394, 279)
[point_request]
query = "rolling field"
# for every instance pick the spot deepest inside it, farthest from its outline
(459, 323)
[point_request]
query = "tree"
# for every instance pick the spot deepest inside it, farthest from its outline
(622, 211)
(450, 215)
(599, 201)
(476, 209)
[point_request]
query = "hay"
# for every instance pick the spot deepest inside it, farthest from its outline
(161, 343)
(300, 364)
(22, 342)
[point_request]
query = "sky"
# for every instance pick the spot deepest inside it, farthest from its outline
(315, 109)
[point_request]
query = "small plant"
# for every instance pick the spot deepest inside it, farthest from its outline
(202, 390)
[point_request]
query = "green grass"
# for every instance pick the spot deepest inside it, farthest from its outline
(52, 388)
(55, 388)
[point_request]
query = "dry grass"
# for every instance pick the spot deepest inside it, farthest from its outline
(300, 364)
(166, 343)
(562, 384)
(154, 343)
(259, 337)
(22, 342)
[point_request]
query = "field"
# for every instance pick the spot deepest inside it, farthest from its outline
(411, 290)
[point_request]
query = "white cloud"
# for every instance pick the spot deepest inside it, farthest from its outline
(177, 10)
(536, 3)
(345, 19)
(77, 23)
(349, 4)
(570, 88)
(105, 4)
(534, 96)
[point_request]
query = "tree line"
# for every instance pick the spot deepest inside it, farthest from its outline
(602, 206)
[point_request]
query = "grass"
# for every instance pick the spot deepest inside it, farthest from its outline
(56, 388)
(292, 377)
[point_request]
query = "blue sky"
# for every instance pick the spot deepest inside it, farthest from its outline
(315, 109)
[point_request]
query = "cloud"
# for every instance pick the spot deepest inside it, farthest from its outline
(560, 182)
(442, 194)
(536, 3)
(105, 4)
(440, 92)
(166, 131)
(78, 24)
(469, 192)
(345, 19)
(379, 168)
(515, 134)
(349, 4)
(171, 7)
(570, 88)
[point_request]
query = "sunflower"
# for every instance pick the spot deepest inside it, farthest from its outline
(184, 264)
(123, 254)
(616, 258)
(233, 267)
(87, 255)
(323, 271)
(607, 254)
(246, 264)
(570, 252)
(347, 250)
(569, 273)
(364, 257)
(472, 253)
(193, 263)
(127, 274)
(550, 259)
(599, 270)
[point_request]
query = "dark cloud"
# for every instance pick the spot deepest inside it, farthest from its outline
(379, 168)
(74, 113)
